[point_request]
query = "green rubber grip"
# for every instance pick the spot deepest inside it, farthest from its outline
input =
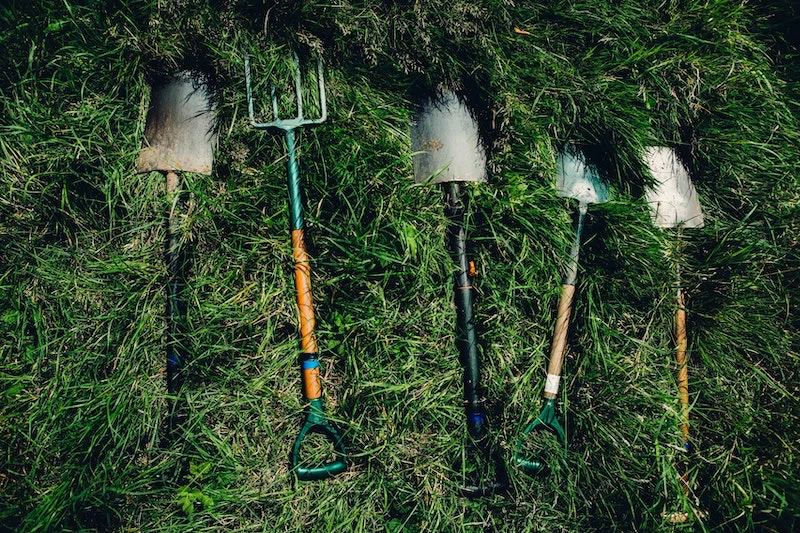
(316, 422)
(546, 421)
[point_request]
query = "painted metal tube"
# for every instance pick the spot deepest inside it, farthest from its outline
(177, 349)
(466, 335)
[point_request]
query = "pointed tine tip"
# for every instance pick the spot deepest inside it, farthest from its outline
(323, 104)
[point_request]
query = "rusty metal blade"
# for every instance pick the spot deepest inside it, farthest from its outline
(673, 198)
(446, 143)
(579, 180)
(179, 134)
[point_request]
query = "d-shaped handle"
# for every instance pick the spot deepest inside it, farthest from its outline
(546, 421)
(316, 422)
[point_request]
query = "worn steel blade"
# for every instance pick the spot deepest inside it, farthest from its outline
(673, 198)
(446, 143)
(579, 180)
(180, 133)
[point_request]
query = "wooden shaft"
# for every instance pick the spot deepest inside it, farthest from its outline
(173, 182)
(683, 369)
(312, 388)
(302, 281)
(176, 305)
(559, 345)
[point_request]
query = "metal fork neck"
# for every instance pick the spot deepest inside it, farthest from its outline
(293, 182)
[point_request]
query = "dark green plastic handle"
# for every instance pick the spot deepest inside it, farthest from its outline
(317, 423)
(499, 486)
(546, 421)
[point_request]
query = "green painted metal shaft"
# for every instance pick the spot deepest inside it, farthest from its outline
(295, 201)
(572, 269)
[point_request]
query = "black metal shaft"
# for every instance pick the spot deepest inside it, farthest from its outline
(177, 259)
(466, 335)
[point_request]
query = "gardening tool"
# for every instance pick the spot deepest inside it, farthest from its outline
(575, 179)
(447, 150)
(179, 137)
(673, 203)
(315, 420)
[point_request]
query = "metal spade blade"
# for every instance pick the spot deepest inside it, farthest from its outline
(575, 179)
(673, 199)
(446, 144)
(179, 134)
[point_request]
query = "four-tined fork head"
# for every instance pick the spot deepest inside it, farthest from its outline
(299, 119)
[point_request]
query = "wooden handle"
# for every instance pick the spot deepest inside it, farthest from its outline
(683, 369)
(559, 344)
(683, 381)
(302, 282)
(312, 388)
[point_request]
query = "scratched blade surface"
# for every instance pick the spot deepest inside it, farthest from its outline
(577, 179)
(179, 134)
(672, 199)
(446, 144)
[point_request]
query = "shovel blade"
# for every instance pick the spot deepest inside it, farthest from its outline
(577, 179)
(179, 134)
(446, 143)
(672, 199)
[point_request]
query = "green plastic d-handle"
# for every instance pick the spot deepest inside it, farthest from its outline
(316, 422)
(546, 421)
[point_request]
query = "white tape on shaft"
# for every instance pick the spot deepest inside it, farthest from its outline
(551, 386)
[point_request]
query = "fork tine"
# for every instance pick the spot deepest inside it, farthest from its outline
(298, 88)
(323, 107)
(274, 96)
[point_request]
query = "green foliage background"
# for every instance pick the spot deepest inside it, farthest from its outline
(83, 401)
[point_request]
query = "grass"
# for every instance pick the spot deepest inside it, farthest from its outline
(83, 406)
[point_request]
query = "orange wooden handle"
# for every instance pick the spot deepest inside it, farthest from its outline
(302, 283)
(559, 344)
(312, 387)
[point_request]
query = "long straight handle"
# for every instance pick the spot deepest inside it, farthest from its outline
(559, 344)
(683, 368)
(176, 305)
(315, 420)
(466, 334)
(309, 358)
(683, 381)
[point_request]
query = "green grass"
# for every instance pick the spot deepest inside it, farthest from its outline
(83, 401)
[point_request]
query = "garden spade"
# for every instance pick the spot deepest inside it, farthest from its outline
(673, 204)
(447, 150)
(578, 180)
(315, 419)
(179, 137)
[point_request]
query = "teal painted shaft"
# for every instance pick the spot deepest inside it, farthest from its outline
(572, 269)
(295, 203)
